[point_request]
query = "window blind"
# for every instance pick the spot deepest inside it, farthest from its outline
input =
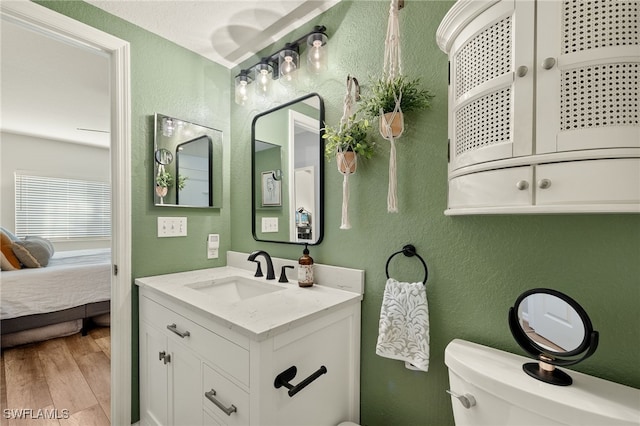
(59, 208)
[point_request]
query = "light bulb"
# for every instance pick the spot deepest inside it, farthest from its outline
(263, 81)
(317, 53)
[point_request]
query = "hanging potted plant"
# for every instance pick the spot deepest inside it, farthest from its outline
(346, 140)
(387, 94)
(164, 180)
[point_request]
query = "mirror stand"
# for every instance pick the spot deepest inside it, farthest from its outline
(551, 352)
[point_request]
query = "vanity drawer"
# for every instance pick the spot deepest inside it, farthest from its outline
(226, 355)
(228, 396)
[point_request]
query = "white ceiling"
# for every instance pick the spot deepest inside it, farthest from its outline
(55, 90)
(226, 32)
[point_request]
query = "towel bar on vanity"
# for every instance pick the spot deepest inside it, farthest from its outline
(409, 250)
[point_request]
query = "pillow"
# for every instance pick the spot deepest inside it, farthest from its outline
(9, 261)
(10, 234)
(44, 241)
(32, 253)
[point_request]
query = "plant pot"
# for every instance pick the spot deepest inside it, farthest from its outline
(162, 192)
(347, 161)
(397, 124)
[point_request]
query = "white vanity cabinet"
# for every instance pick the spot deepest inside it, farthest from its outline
(537, 86)
(198, 371)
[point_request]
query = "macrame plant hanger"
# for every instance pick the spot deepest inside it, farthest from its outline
(392, 69)
(347, 160)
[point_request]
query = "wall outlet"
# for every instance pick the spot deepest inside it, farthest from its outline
(172, 226)
(269, 224)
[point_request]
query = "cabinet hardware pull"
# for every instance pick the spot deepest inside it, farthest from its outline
(467, 400)
(522, 70)
(544, 183)
(164, 357)
(522, 185)
(548, 63)
(174, 328)
(210, 396)
(287, 375)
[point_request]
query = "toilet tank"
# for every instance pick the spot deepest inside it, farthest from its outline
(506, 395)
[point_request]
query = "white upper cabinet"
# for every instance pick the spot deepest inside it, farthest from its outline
(542, 82)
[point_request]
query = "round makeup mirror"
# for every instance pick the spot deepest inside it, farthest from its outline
(164, 156)
(554, 329)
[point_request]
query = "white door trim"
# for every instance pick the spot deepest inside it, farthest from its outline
(60, 26)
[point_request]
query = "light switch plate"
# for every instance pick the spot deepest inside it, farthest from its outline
(172, 226)
(269, 224)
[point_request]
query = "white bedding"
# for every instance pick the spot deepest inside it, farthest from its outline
(72, 278)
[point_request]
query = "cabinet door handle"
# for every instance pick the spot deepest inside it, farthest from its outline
(522, 70)
(228, 410)
(544, 183)
(548, 63)
(174, 328)
(164, 357)
(522, 185)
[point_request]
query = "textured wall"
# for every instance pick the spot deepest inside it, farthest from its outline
(478, 264)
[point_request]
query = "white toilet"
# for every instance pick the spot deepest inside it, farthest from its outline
(496, 391)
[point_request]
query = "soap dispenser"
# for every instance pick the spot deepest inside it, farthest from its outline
(305, 269)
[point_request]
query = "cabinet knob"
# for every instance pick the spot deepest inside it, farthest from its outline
(544, 183)
(522, 70)
(548, 63)
(522, 185)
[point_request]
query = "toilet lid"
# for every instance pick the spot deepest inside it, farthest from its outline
(348, 424)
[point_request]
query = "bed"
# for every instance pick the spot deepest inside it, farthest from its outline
(61, 298)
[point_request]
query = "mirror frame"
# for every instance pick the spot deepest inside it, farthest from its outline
(320, 217)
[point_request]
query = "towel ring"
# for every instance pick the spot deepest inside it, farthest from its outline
(409, 250)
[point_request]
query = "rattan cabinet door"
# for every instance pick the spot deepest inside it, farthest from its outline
(588, 75)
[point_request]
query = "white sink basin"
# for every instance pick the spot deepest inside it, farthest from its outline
(233, 289)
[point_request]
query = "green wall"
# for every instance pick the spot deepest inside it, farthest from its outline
(478, 264)
(171, 80)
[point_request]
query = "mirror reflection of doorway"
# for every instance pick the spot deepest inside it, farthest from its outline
(304, 173)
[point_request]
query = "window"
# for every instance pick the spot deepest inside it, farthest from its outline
(59, 208)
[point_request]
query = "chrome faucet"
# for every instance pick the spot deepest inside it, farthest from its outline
(270, 273)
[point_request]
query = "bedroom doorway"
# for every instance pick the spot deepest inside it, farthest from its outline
(36, 18)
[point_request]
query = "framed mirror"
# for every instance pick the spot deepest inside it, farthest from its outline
(187, 164)
(554, 329)
(287, 167)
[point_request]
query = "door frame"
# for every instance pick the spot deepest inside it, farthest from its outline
(62, 27)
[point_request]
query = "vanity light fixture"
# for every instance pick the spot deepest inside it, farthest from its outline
(283, 65)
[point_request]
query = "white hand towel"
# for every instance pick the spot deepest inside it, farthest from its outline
(403, 332)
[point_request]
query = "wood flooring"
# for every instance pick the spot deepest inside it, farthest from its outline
(61, 382)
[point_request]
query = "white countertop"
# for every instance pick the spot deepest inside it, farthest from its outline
(259, 317)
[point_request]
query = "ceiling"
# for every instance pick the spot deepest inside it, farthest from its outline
(226, 32)
(59, 91)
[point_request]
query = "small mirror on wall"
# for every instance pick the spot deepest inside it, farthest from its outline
(187, 164)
